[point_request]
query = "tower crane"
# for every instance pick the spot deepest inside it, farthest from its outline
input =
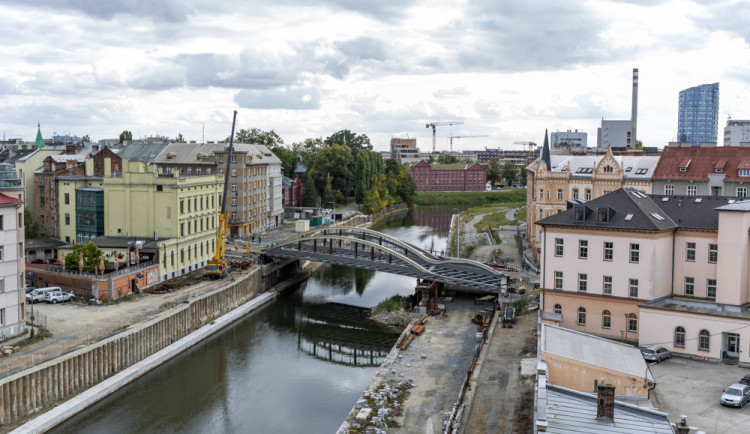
(464, 137)
(530, 152)
(437, 124)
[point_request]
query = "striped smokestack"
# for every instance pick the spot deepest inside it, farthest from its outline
(634, 109)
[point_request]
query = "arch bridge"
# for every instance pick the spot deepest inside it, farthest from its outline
(373, 250)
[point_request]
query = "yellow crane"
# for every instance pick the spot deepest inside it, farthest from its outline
(218, 267)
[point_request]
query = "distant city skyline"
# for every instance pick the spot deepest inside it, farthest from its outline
(508, 70)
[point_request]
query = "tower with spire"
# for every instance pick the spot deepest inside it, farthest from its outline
(545, 157)
(39, 140)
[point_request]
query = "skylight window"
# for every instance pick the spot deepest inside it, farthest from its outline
(629, 217)
(641, 171)
(629, 169)
(699, 200)
(656, 216)
(665, 199)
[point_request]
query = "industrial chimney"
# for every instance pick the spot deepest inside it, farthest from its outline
(634, 109)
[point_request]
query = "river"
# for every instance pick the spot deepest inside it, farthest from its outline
(296, 365)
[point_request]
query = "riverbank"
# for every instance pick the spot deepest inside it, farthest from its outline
(470, 198)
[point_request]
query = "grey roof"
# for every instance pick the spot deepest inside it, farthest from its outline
(143, 152)
(268, 157)
(581, 166)
(187, 153)
(736, 206)
(594, 350)
(63, 158)
(43, 243)
(693, 212)
(286, 182)
(569, 411)
(122, 242)
(698, 306)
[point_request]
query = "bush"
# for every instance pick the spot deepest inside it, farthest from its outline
(395, 303)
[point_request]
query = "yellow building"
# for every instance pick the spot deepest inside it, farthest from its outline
(177, 214)
(552, 180)
(28, 164)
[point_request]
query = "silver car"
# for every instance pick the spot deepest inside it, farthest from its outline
(736, 395)
(655, 354)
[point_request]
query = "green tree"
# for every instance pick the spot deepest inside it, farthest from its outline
(446, 159)
(354, 141)
(309, 194)
(638, 144)
(179, 138)
(256, 135)
(393, 186)
(367, 166)
(509, 173)
(31, 226)
(86, 139)
(522, 176)
(431, 158)
(493, 171)
(307, 149)
(126, 136)
(288, 159)
(91, 257)
(335, 161)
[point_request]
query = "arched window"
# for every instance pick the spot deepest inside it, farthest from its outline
(582, 316)
(606, 319)
(679, 337)
(632, 323)
(704, 340)
(558, 308)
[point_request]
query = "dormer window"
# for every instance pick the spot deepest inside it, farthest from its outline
(743, 172)
(684, 165)
(579, 214)
(602, 215)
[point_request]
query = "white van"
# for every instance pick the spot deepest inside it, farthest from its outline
(37, 295)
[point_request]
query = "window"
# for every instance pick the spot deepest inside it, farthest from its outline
(234, 201)
(635, 253)
(2, 316)
(541, 193)
(669, 189)
(189, 170)
(704, 339)
(632, 323)
(67, 198)
(67, 219)
(743, 172)
(558, 309)
(679, 337)
(690, 252)
(2, 285)
(582, 282)
(581, 316)
(689, 286)
(234, 216)
(234, 187)
(583, 249)
(711, 288)
(579, 214)
(713, 253)
(234, 172)
(606, 319)
(182, 207)
(558, 280)
(633, 288)
(234, 158)
(607, 285)
(588, 194)
(171, 258)
(609, 248)
(1, 223)
(741, 191)
(549, 194)
(575, 193)
(182, 229)
(602, 215)
(558, 246)
(559, 194)
(692, 190)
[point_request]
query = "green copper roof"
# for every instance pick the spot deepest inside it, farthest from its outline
(39, 139)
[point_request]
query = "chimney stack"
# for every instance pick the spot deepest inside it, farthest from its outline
(605, 401)
(682, 427)
(634, 109)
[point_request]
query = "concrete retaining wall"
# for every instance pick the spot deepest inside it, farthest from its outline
(39, 388)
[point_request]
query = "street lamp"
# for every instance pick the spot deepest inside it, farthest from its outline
(627, 317)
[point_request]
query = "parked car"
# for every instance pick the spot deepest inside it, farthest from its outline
(30, 288)
(61, 296)
(736, 395)
(37, 295)
(745, 380)
(655, 354)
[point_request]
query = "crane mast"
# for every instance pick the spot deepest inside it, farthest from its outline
(464, 137)
(437, 124)
(218, 266)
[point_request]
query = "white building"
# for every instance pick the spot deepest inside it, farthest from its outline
(574, 140)
(615, 134)
(737, 132)
(12, 256)
(275, 192)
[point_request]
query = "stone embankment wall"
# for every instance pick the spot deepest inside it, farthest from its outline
(41, 387)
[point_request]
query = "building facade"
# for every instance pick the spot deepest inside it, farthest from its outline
(12, 253)
(737, 133)
(553, 180)
(575, 141)
(448, 177)
(666, 270)
(614, 134)
(404, 150)
(698, 114)
(703, 171)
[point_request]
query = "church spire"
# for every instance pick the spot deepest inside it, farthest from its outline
(39, 139)
(545, 157)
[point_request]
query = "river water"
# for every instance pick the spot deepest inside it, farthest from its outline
(296, 365)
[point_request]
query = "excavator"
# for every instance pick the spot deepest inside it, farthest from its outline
(218, 267)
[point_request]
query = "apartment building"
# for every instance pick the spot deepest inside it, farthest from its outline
(649, 268)
(12, 253)
(703, 171)
(553, 180)
(449, 177)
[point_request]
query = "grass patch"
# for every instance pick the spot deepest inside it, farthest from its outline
(520, 215)
(469, 197)
(40, 334)
(395, 303)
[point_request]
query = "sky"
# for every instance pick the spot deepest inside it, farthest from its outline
(507, 69)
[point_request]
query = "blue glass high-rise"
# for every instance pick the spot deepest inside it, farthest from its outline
(698, 115)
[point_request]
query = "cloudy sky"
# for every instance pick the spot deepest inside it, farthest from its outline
(508, 69)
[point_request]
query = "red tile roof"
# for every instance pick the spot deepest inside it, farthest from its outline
(703, 161)
(4, 200)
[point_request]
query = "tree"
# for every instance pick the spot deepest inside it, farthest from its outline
(86, 139)
(256, 135)
(309, 195)
(522, 176)
(446, 159)
(395, 185)
(179, 138)
(354, 141)
(493, 171)
(431, 158)
(126, 136)
(335, 161)
(509, 173)
(638, 144)
(31, 225)
(367, 166)
(91, 257)
(288, 159)
(307, 149)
